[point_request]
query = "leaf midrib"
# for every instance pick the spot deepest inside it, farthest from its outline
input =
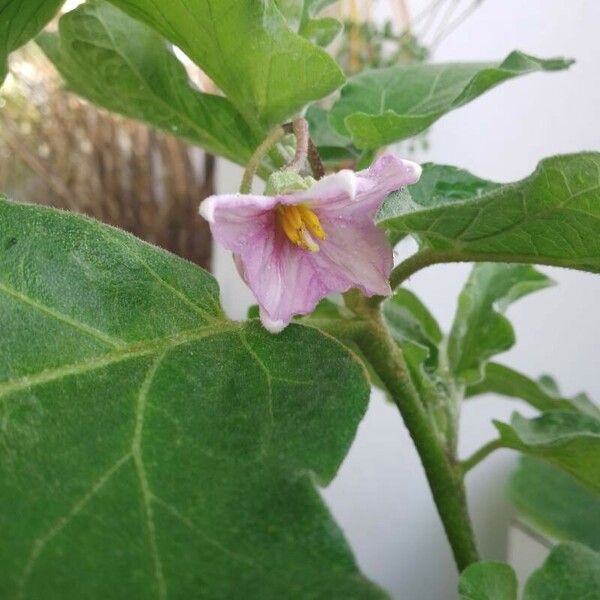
(123, 353)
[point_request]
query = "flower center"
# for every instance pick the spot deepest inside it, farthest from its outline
(301, 225)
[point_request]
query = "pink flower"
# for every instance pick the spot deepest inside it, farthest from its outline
(296, 248)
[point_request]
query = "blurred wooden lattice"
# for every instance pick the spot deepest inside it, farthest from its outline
(58, 150)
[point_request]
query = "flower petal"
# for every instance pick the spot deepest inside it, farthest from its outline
(282, 277)
(335, 190)
(386, 175)
(354, 254)
(271, 325)
(236, 220)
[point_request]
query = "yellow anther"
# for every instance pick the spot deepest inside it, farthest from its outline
(312, 222)
(298, 223)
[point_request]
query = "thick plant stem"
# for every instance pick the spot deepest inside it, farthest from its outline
(443, 471)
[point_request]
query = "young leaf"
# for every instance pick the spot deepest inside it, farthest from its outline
(21, 20)
(488, 580)
(419, 336)
(379, 107)
(568, 440)
(540, 394)
(149, 446)
(246, 47)
(551, 217)
(302, 16)
(571, 572)
(332, 146)
(409, 320)
(124, 66)
(480, 330)
(554, 503)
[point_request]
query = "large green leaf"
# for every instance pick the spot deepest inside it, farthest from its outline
(149, 447)
(379, 107)
(123, 65)
(552, 217)
(480, 330)
(21, 20)
(265, 69)
(488, 580)
(568, 440)
(542, 394)
(554, 503)
(437, 186)
(571, 572)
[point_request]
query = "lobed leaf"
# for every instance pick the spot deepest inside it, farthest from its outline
(122, 65)
(20, 21)
(542, 394)
(554, 503)
(568, 440)
(383, 106)
(246, 47)
(488, 580)
(571, 571)
(150, 447)
(480, 330)
(551, 217)
(409, 320)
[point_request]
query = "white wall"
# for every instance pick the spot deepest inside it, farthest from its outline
(380, 496)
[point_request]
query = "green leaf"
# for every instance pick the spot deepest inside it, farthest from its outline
(20, 21)
(265, 69)
(419, 336)
(568, 440)
(570, 572)
(488, 580)
(480, 330)
(542, 394)
(333, 147)
(149, 446)
(124, 66)
(379, 107)
(302, 16)
(409, 320)
(554, 503)
(437, 186)
(551, 217)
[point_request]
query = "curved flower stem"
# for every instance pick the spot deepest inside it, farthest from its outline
(479, 455)
(310, 150)
(300, 128)
(443, 471)
(259, 153)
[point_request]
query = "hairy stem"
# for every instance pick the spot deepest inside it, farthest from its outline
(410, 266)
(300, 128)
(312, 153)
(443, 471)
(426, 258)
(480, 455)
(259, 154)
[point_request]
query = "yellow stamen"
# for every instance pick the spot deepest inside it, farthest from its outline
(312, 222)
(298, 223)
